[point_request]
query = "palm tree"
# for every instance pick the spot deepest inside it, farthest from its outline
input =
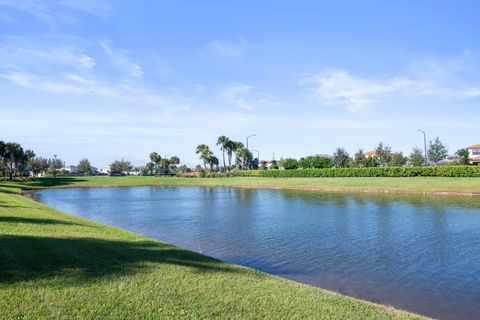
(213, 161)
(205, 154)
(230, 147)
(237, 146)
(223, 142)
(155, 158)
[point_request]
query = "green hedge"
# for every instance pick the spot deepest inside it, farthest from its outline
(430, 171)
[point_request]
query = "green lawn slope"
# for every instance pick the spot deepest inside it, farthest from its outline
(58, 266)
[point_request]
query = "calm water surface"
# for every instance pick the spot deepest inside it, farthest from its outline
(417, 253)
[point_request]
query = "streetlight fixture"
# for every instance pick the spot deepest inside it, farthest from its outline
(424, 145)
(252, 135)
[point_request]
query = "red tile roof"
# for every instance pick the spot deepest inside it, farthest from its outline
(370, 153)
(475, 146)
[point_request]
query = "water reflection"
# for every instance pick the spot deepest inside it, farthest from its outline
(420, 253)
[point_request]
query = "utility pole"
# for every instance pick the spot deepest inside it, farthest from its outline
(424, 145)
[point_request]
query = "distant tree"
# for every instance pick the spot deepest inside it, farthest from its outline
(397, 159)
(416, 157)
(383, 154)
(223, 142)
(231, 147)
(149, 169)
(84, 167)
(184, 169)
(341, 158)
(463, 156)
(359, 159)
(205, 154)
(38, 165)
(243, 158)
(121, 166)
(3, 164)
(273, 165)
(437, 151)
(54, 165)
(371, 162)
(314, 162)
(14, 156)
(173, 163)
(289, 163)
(263, 165)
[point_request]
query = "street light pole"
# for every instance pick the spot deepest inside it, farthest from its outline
(252, 135)
(424, 145)
(55, 166)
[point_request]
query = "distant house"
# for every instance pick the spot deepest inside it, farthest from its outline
(105, 170)
(369, 154)
(136, 171)
(474, 154)
(70, 168)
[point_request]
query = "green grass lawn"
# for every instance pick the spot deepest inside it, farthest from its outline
(55, 265)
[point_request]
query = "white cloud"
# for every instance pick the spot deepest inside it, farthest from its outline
(120, 59)
(242, 96)
(68, 84)
(58, 11)
(95, 7)
(340, 88)
(28, 56)
(228, 48)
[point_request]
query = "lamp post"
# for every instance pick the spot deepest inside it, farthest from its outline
(252, 135)
(424, 144)
(55, 166)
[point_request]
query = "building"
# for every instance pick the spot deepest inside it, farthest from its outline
(70, 168)
(369, 154)
(474, 153)
(105, 170)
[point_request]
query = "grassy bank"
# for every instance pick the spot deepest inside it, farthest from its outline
(420, 185)
(54, 265)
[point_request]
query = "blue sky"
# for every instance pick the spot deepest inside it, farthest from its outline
(112, 79)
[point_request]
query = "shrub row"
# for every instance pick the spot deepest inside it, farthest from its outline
(430, 171)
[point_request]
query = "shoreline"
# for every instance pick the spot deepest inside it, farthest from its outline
(264, 183)
(325, 294)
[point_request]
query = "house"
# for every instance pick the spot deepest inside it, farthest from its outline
(70, 168)
(474, 153)
(369, 154)
(105, 170)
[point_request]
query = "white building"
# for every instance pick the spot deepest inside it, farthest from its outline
(105, 170)
(70, 168)
(474, 154)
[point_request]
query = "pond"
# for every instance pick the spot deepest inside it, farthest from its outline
(417, 253)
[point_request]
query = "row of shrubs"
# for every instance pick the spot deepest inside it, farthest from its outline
(430, 171)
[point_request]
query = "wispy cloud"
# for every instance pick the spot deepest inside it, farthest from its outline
(228, 48)
(120, 59)
(242, 96)
(50, 12)
(340, 88)
(99, 8)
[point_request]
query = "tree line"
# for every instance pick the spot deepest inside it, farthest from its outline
(229, 149)
(16, 162)
(382, 156)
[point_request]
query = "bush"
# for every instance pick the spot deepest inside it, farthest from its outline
(430, 171)
(289, 163)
